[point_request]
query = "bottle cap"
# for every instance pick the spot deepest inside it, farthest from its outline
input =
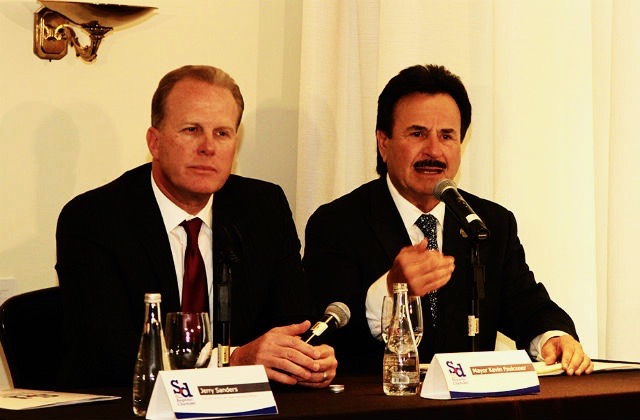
(152, 298)
(336, 388)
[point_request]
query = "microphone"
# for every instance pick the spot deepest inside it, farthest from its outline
(229, 243)
(335, 316)
(446, 191)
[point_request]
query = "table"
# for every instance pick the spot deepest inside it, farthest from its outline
(599, 395)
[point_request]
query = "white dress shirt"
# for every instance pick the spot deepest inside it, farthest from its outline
(409, 214)
(172, 215)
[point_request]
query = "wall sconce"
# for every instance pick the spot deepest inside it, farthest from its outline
(53, 31)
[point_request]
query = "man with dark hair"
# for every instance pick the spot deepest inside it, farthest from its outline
(128, 237)
(357, 246)
(420, 79)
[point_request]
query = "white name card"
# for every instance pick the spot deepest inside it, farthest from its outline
(480, 374)
(211, 393)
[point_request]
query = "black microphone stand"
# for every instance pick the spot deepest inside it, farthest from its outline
(223, 314)
(477, 294)
(229, 243)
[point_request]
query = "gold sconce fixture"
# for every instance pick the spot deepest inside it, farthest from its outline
(53, 30)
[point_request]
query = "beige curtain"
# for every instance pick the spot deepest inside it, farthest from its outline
(552, 135)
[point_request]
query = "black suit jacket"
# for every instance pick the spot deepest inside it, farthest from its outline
(353, 240)
(112, 248)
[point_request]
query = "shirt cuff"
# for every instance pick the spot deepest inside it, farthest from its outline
(373, 304)
(535, 347)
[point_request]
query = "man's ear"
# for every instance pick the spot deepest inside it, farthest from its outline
(153, 140)
(382, 141)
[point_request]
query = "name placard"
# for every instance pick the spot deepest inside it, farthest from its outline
(211, 393)
(480, 374)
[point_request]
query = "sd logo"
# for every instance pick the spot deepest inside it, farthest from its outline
(181, 389)
(456, 370)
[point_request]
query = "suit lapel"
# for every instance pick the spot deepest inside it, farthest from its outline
(457, 245)
(155, 244)
(227, 215)
(454, 241)
(385, 220)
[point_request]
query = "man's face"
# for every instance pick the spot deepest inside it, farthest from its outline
(424, 146)
(194, 146)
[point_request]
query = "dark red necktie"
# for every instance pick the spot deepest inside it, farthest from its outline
(194, 282)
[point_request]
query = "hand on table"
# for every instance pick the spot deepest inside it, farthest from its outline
(569, 352)
(287, 359)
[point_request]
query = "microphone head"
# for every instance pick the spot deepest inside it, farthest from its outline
(340, 312)
(441, 186)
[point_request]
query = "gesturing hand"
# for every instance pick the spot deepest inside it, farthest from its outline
(423, 271)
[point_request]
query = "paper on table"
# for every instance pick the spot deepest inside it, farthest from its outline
(24, 399)
(599, 366)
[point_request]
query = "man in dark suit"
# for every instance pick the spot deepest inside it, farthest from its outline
(124, 239)
(357, 246)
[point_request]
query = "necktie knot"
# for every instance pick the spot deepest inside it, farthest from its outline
(192, 227)
(427, 223)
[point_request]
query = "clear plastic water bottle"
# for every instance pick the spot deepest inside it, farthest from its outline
(401, 367)
(151, 355)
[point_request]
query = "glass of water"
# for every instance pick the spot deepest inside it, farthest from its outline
(188, 338)
(415, 312)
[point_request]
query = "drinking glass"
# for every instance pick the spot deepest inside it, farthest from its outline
(188, 338)
(415, 312)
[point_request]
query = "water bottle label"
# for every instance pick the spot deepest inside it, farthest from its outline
(399, 378)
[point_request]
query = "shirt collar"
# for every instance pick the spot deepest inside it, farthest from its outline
(410, 213)
(172, 215)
